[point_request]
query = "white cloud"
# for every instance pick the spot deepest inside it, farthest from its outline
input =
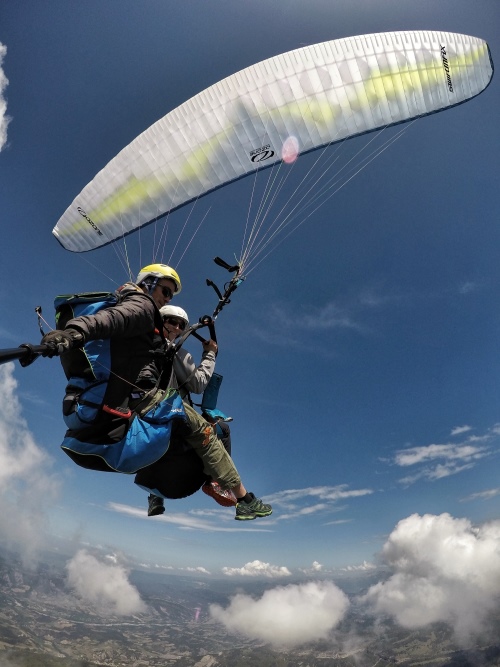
(291, 504)
(4, 119)
(315, 568)
(198, 570)
(333, 493)
(105, 586)
(297, 500)
(330, 316)
(112, 558)
(364, 567)
(467, 287)
(258, 569)
(188, 521)
(437, 461)
(444, 459)
(287, 615)
(26, 487)
(414, 455)
(303, 511)
(458, 430)
(281, 327)
(443, 569)
(483, 495)
(438, 472)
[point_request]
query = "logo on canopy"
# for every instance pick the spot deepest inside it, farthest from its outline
(446, 66)
(89, 220)
(261, 154)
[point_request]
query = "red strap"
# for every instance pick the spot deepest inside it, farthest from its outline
(125, 413)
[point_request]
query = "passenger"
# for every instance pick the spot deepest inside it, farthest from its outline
(189, 378)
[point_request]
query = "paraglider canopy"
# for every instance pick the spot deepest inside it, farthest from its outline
(271, 112)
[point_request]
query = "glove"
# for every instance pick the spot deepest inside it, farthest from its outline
(60, 341)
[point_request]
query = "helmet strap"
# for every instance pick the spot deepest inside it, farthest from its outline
(150, 283)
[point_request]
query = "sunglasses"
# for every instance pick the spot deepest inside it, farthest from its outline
(180, 324)
(166, 291)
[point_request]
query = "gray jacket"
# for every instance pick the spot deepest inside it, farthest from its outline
(192, 378)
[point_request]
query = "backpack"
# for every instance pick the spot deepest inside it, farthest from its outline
(103, 433)
(87, 369)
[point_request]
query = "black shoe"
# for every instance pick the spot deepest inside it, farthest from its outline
(155, 505)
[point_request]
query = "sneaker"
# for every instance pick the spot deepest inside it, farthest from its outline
(155, 505)
(248, 511)
(224, 497)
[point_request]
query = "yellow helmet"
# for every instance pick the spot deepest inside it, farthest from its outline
(160, 271)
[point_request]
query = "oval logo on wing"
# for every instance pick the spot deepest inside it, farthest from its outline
(262, 154)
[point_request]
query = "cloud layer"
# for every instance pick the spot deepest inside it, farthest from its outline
(286, 615)
(258, 569)
(314, 500)
(291, 504)
(439, 460)
(4, 119)
(105, 586)
(24, 474)
(443, 569)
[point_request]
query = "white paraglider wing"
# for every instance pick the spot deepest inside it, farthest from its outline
(292, 103)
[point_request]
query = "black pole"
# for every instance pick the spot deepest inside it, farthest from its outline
(26, 353)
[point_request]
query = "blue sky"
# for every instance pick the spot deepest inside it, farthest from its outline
(360, 360)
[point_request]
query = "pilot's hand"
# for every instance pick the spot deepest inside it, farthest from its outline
(61, 340)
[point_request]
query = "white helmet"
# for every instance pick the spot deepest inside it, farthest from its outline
(159, 271)
(174, 311)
